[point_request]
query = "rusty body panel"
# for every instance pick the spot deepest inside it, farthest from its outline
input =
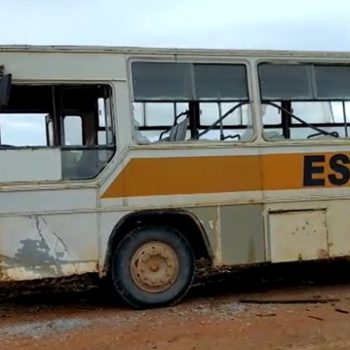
(298, 235)
(40, 246)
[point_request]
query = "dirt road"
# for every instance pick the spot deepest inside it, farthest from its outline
(215, 315)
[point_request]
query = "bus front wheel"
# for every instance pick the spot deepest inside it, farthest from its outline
(152, 266)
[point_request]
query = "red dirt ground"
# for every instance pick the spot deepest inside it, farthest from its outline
(212, 317)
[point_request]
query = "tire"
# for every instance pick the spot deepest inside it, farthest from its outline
(142, 263)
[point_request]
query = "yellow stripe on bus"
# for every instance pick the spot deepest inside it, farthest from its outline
(216, 174)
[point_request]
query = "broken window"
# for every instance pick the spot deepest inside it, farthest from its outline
(30, 126)
(304, 101)
(189, 101)
(67, 117)
(73, 130)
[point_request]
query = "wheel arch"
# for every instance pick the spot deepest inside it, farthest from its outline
(182, 220)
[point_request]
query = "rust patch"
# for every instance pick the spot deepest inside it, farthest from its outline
(322, 254)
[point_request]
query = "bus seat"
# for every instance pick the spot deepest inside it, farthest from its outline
(139, 138)
(178, 131)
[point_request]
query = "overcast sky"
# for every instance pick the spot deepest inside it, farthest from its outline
(270, 24)
(254, 24)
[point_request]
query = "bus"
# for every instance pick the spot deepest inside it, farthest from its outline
(136, 163)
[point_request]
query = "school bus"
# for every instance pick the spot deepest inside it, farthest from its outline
(135, 163)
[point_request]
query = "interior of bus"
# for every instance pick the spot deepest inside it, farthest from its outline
(75, 119)
(188, 102)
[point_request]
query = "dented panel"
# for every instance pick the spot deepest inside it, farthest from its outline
(298, 235)
(235, 232)
(38, 246)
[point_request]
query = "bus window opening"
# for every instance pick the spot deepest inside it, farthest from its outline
(304, 101)
(176, 102)
(76, 119)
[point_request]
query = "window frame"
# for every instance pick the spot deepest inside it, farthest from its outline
(114, 145)
(63, 132)
(73, 111)
(23, 115)
(248, 65)
(312, 63)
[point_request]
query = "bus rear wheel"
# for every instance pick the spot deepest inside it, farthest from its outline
(152, 266)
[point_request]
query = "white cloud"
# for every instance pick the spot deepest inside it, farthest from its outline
(299, 24)
(255, 24)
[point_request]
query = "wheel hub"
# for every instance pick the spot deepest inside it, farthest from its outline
(154, 267)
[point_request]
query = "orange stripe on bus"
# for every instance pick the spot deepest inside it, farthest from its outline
(215, 174)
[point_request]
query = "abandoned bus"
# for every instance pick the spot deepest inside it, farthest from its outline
(135, 163)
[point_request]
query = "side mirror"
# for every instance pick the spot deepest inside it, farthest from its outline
(5, 86)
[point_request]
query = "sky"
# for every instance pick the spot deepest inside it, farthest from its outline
(254, 24)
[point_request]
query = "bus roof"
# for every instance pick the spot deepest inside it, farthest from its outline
(174, 51)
